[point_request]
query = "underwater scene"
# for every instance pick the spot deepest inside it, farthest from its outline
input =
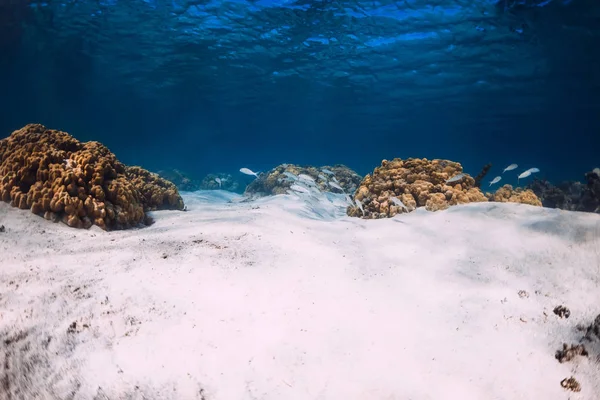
(299, 199)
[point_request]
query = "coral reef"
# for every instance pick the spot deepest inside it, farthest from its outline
(209, 182)
(506, 194)
(572, 196)
(157, 193)
(54, 175)
(276, 182)
(403, 185)
(180, 179)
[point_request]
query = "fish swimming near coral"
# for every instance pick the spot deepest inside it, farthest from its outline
(248, 171)
(495, 180)
(455, 178)
(399, 203)
(510, 168)
(328, 172)
(527, 173)
(218, 180)
(524, 175)
(360, 206)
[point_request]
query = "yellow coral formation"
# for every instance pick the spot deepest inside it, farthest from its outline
(54, 175)
(416, 183)
(506, 194)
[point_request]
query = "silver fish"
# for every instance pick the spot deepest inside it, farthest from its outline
(527, 173)
(524, 175)
(455, 178)
(328, 172)
(218, 180)
(322, 177)
(495, 180)
(510, 167)
(360, 206)
(399, 203)
(248, 171)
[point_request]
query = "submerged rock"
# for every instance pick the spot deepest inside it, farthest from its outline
(276, 181)
(570, 195)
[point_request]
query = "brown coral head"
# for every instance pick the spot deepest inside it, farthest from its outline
(56, 176)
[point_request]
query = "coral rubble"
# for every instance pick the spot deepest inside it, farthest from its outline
(416, 183)
(275, 181)
(56, 176)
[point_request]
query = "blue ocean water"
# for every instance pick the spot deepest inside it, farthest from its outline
(210, 86)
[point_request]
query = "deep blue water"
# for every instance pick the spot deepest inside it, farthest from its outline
(210, 86)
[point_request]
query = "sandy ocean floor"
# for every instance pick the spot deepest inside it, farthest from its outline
(274, 299)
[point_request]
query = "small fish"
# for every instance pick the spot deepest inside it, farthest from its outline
(322, 177)
(285, 165)
(455, 178)
(495, 180)
(328, 172)
(360, 206)
(335, 185)
(510, 167)
(527, 173)
(524, 175)
(248, 172)
(399, 203)
(218, 180)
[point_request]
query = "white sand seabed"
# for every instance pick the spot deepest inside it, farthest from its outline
(265, 300)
